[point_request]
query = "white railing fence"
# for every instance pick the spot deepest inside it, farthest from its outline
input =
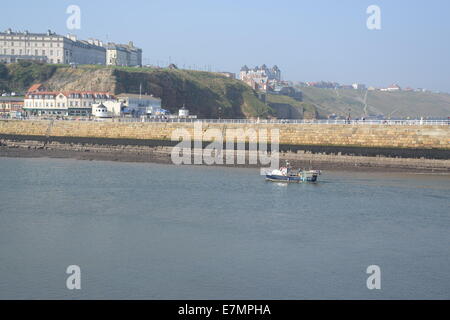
(249, 121)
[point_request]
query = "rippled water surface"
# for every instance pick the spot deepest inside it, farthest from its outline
(149, 231)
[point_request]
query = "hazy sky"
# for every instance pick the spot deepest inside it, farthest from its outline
(308, 40)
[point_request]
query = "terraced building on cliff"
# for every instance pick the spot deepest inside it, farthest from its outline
(50, 47)
(126, 55)
(57, 49)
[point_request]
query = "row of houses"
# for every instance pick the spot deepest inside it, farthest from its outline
(40, 102)
(11, 106)
(268, 80)
(57, 49)
(356, 86)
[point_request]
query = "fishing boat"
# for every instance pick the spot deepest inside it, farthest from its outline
(290, 175)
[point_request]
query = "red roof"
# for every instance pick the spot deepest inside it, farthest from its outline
(67, 93)
(35, 87)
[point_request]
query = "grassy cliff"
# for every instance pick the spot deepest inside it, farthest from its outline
(288, 108)
(209, 95)
(19, 76)
(390, 104)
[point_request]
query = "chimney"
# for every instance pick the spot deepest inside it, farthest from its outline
(72, 37)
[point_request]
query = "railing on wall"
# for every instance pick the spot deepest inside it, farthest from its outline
(250, 121)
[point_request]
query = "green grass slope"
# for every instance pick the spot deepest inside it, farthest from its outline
(390, 104)
(19, 76)
(288, 108)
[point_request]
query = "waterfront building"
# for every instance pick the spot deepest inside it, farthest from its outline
(49, 47)
(183, 112)
(9, 105)
(64, 103)
(114, 107)
(100, 111)
(138, 104)
(123, 55)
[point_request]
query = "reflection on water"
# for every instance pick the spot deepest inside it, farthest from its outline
(150, 231)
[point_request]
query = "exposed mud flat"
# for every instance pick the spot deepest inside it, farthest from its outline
(162, 154)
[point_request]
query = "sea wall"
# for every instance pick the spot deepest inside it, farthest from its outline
(365, 136)
(101, 150)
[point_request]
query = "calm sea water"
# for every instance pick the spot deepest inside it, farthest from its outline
(148, 231)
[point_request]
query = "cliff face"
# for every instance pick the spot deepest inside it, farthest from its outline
(206, 94)
(68, 79)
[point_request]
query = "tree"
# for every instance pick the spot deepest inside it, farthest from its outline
(3, 71)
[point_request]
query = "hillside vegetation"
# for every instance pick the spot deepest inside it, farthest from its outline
(209, 95)
(212, 95)
(19, 76)
(400, 104)
(288, 108)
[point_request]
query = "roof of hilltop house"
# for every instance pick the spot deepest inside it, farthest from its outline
(36, 87)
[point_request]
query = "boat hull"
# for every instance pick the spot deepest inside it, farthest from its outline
(292, 179)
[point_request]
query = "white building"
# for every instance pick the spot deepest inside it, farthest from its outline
(359, 86)
(49, 47)
(260, 78)
(183, 113)
(100, 111)
(392, 88)
(260, 72)
(139, 104)
(114, 107)
(59, 103)
(123, 55)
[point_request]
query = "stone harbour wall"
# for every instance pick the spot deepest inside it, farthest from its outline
(367, 136)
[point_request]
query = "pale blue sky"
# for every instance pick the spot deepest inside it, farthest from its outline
(308, 40)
